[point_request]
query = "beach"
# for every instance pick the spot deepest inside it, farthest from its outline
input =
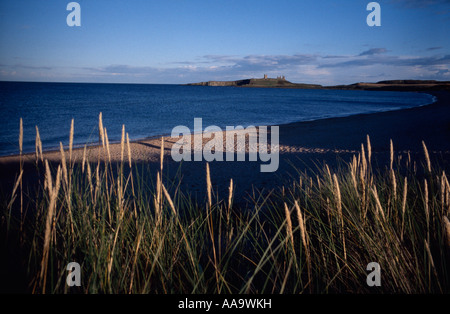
(303, 146)
(326, 205)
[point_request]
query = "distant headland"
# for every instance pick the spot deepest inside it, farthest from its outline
(281, 82)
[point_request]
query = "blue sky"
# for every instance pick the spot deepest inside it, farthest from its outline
(179, 41)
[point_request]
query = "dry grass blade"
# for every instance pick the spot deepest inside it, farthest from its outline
(13, 194)
(328, 172)
(394, 184)
(83, 162)
(161, 158)
(353, 174)
(208, 186)
(158, 198)
(107, 145)
(89, 174)
(378, 203)
(210, 223)
(369, 149)
(363, 160)
(97, 181)
(289, 228)
(427, 156)
(448, 194)
(37, 146)
(39, 153)
(20, 136)
(129, 151)
(230, 202)
(337, 194)
(101, 133)
(21, 169)
(302, 224)
(405, 193)
(230, 194)
(122, 144)
(169, 199)
(71, 142)
(447, 232)
(48, 178)
(443, 194)
(427, 210)
(120, 192)
(211, 226)
(391, 146)
(63, 162)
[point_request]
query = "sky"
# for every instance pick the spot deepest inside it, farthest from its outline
(324, 42)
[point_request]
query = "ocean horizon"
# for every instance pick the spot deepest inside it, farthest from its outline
(150, 110)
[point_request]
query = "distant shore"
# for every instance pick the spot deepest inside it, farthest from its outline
(281, 82)
(303, 145)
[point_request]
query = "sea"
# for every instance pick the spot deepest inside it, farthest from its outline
(151, 110)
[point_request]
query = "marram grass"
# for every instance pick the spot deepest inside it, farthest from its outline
(314, 235)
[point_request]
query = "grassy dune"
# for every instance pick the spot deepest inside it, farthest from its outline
(132, 234)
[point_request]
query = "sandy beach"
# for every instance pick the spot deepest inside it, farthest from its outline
(303, 146)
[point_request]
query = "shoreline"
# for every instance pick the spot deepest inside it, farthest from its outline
(302, 146)
(432, 117)
(78, 147)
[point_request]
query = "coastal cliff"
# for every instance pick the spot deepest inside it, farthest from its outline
(254, 82)
(281, 82)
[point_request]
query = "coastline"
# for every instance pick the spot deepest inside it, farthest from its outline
(50, 151)
(401, 125)
(51, 143)
(303, 145)
(281, 82)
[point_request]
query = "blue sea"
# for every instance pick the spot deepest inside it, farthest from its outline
(153, 110)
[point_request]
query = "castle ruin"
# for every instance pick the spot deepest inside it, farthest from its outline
(279, 78)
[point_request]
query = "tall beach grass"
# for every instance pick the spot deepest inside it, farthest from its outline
(134, 234)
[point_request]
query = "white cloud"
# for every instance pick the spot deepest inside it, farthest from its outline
(373, 64)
